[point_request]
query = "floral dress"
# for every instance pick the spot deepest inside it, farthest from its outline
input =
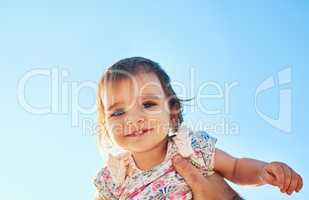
(121, 179)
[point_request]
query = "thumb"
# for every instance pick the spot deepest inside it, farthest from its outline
(268, 178)
(190, 173)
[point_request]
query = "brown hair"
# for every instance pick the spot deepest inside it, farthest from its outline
(132, 66)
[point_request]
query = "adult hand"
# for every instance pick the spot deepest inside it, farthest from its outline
(212, 187)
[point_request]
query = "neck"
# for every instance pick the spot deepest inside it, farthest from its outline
(150, 158)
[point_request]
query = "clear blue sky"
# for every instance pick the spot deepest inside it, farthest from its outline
(52, 156)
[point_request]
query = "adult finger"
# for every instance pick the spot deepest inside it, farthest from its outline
(191, 174)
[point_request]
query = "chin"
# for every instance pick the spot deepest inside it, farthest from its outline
(144, 147)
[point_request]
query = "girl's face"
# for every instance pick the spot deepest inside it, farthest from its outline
(137, 116)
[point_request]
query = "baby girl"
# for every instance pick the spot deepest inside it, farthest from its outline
(139, 112)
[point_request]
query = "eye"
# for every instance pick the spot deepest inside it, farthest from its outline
(117, 113)
(149, 104)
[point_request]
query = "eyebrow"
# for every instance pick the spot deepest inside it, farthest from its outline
(152, 96)
(115, 105)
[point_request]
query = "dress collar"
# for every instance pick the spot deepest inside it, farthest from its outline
(170, 152)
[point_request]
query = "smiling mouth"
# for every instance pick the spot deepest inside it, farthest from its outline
(140, 133)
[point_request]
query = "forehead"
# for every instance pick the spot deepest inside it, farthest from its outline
(132, 87)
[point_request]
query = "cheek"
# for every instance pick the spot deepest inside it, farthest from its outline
(115, 128)
(116, 131)
(161, 122)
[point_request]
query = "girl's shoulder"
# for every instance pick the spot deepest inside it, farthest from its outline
(109, 179)
(204, 148)
(189, 141)
(105, 186)
(201, 140)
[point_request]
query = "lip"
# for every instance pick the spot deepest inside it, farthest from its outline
(140, 132)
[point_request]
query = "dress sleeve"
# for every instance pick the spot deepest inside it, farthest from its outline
(205, 144)
(104, 185)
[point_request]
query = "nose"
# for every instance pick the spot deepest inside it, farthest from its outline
(137, 121)
(134, 125)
